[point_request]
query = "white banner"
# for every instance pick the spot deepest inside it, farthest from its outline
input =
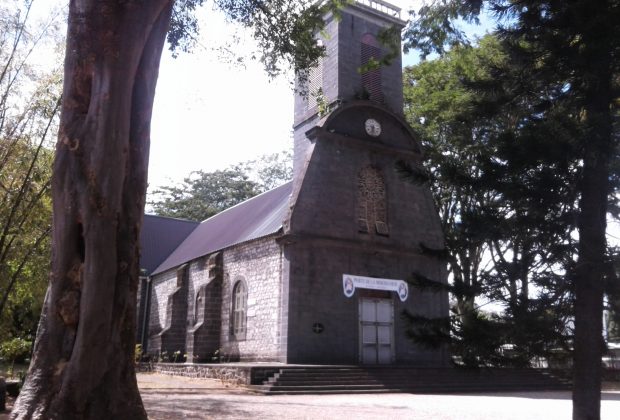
(351, 282)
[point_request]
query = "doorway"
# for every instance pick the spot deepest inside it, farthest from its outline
(376, 330)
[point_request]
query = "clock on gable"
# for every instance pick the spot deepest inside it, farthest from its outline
(373, 128)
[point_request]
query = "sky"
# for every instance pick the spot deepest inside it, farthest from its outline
(210, 113)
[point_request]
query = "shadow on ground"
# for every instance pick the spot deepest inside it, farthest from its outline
(161, 408)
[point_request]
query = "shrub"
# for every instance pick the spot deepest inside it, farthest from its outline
(138, 353)
(15, 350)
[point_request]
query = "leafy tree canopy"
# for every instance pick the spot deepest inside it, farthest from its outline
(204, 194)
(284, 29)
(83, 363)
(29, 100)
(561, 90)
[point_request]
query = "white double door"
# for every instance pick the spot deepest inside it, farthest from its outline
(376, 330)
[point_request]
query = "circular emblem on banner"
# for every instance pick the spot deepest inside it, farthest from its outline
(348, 286)
(403, 291)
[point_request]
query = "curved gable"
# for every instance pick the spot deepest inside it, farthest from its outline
(349, 120)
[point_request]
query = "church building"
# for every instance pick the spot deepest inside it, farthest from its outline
(314, 271)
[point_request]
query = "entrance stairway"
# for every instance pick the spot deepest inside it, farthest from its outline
(358, 379)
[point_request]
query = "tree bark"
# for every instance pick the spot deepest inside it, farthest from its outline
(83, 367)
(599, 146)
(589, 287)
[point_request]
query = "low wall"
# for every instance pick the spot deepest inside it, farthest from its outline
(237, 375)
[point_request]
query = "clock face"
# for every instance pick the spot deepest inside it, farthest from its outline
(373, 128)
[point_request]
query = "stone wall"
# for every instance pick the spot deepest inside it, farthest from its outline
(258, 264)
(233, 374)
(204, 308)
(351, 27)
(316, 297)
(202, 333)
(323, 239)
(168, 313)
(341, 78)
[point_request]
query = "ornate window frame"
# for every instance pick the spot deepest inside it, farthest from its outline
(372, 202)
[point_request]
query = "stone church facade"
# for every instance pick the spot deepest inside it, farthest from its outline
(313, 271)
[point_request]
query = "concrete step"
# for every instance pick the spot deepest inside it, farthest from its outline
(341, 381)
(426, 389)
(420, 390)
(396, 379)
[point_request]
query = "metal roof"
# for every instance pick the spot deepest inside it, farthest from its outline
(254, 218)
(154, 249)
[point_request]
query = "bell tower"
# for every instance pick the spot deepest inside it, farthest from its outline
(351, 214)
(353, 40)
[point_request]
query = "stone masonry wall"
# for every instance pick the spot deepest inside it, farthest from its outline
(204, 308)
(258, 263)
(162, 286)
(351, 28)
(324, 239)
(230, 373)
(173, 334)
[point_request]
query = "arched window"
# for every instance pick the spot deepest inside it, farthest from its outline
(371, 201)
(371, 70)
(239, 309)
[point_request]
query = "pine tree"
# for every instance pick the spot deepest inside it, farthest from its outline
(570, 50)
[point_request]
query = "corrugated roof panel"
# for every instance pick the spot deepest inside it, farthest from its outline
(254, 218)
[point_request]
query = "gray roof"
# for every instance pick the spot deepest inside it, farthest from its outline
(154, 249)
(254, 218)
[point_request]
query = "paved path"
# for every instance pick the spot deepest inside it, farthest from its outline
(168, 397)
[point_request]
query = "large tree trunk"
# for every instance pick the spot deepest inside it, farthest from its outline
(83, 359)
(598, 146)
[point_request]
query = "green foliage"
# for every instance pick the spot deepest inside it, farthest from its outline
(437, 104)
(268, 171)
(28, 121)
(15, 350)
(434, 28)
(389, 38)
(321, 103)
(545, 154)
(504, 186)
(612, 289)
(138, 352)
(284, 29)
(204, 194)
(183, 26)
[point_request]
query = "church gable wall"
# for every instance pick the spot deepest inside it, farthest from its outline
(328, 200)
(353, 213)
(317, 297)
(258, 265)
